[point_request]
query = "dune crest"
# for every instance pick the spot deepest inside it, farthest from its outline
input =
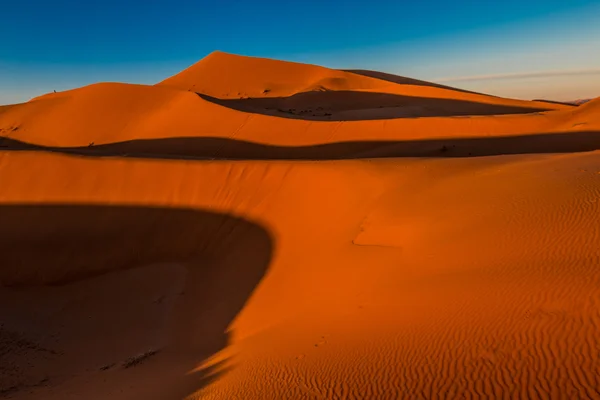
(226, 75)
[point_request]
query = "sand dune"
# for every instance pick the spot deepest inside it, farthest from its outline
(403, 80)
(344, 108)
(589, 109)
(183, 241)
(307, 91)
(228, 76)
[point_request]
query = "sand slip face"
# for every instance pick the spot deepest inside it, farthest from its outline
(195, 250)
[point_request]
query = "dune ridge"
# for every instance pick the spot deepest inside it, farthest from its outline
(214, 148)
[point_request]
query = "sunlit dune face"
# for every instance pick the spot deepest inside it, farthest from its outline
(251, 228)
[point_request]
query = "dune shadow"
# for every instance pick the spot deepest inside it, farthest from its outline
(106, 254)
(202, 148)
(348, 105)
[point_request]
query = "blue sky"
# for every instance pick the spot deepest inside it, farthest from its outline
(534, 48)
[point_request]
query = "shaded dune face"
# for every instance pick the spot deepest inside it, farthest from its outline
(180, 274)
(230, 149)
(348, 105)
(76, 242)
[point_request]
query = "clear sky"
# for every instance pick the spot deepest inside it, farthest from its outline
(526, 49)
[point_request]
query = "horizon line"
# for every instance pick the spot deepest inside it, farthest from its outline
(519, 75)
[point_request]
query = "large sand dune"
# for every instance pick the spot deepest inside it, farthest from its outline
(197, 239)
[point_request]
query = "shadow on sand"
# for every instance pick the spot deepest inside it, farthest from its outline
(100, 259)
(228, 149)
(358, 106)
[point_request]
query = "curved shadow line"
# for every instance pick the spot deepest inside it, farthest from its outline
(213, 148)
(346, 105)
(68, 244)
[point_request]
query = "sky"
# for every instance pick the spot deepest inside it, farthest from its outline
(524, 49)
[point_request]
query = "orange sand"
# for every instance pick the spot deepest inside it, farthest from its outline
(257, 229)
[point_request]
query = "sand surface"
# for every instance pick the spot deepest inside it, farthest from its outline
(256, 229)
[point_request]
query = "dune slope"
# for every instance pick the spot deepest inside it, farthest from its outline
(178, 242)
(293, 87)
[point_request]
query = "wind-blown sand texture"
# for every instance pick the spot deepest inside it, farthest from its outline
(257, 229)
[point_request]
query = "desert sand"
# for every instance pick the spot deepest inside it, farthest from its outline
(258, 229)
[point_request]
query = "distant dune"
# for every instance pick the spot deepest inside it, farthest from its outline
(580, 101)
(259, 229)
(573, 102)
